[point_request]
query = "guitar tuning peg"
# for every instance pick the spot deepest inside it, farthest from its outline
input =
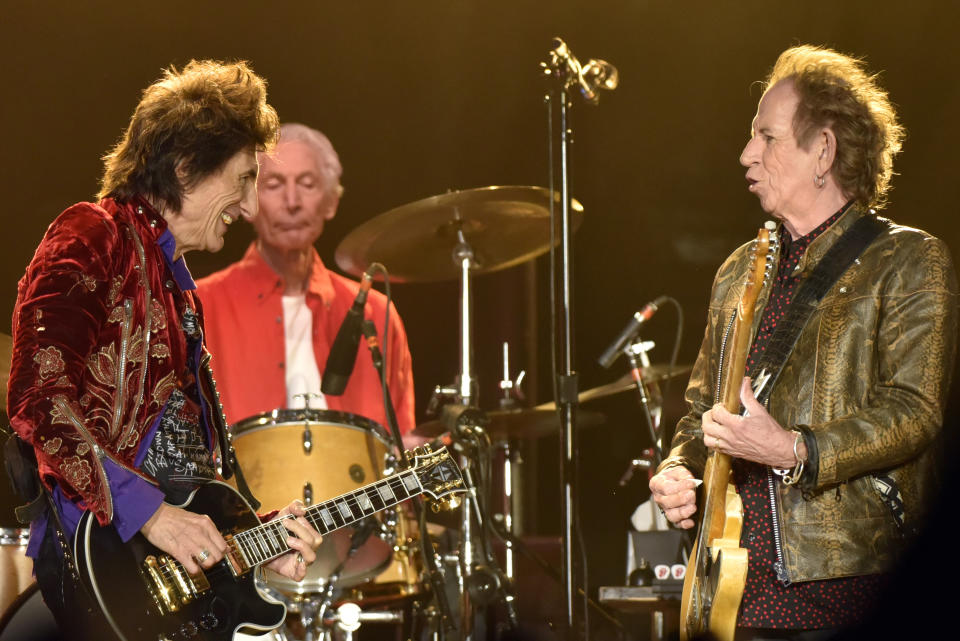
(446, 504)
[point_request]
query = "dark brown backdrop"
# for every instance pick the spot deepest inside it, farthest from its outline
(424, 96)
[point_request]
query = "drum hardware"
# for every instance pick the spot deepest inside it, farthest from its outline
(431, 570)
(348, 617)
(307, 434)
(458, 235)
(513, 394)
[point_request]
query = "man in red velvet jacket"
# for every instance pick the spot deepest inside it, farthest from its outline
(106, 379)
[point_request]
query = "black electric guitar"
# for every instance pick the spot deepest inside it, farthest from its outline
(146, 595)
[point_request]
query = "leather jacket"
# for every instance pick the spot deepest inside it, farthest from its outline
(868, 378)
(97, 346)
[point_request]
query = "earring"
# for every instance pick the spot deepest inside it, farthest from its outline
(819, 181)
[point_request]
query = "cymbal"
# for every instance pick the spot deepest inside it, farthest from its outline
(651, 374)
(522, 423)
(504, 226)
(6, 352)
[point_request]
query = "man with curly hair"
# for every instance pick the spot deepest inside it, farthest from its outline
(832, 465)
(108, 380)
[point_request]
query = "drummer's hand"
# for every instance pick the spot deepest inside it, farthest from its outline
(303, 541)
(674, 490)
(411, 440)
(190, 538)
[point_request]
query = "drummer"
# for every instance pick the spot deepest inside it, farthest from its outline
(274, 314)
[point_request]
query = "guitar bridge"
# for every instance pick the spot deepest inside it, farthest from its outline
(169, 585)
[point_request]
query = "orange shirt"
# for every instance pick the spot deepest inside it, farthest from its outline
(243, 316)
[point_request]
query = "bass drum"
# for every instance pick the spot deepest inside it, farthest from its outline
(315, 455)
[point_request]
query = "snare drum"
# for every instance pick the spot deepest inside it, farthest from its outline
(16, 568)
(315, 455)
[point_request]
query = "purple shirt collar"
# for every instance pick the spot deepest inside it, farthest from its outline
(178, 267)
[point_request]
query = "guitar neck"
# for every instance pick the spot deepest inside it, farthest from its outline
(269, 541)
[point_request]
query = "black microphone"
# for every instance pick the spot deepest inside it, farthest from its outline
(610, 354)
(343, 352)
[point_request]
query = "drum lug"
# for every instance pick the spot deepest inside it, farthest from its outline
(307, 439)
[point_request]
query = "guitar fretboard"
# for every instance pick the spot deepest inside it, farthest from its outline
(268, 541)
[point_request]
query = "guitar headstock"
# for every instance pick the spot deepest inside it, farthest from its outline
(439, 476)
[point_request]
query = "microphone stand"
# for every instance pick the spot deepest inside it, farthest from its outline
(631, 351)
(434, 574)
(567, 72)
(565, 384)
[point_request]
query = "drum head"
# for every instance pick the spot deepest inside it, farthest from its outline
(316, 455)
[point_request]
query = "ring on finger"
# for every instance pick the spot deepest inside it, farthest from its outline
(299, 558)
(203, 555)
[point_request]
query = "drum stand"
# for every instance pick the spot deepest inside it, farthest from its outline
(479, 580)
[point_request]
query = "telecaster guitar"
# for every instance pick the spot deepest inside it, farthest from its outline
(146, 595)
(717, 568)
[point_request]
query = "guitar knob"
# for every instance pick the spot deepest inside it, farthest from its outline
(188, 630)
(209, 621)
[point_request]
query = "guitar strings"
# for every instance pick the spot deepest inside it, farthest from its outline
(261, 546)
(252, 541)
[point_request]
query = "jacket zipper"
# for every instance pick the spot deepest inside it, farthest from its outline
(723, 354)
(98, 451)
(122, 365)
(778, 566)
(148, 297)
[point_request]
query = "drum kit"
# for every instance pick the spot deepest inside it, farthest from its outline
(382, 572)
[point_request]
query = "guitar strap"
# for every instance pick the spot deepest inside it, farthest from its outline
(228, 455)
(809, 293)
(834, 263)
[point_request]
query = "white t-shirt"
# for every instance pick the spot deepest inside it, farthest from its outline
(302, 373)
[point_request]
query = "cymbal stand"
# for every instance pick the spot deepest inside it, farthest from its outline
(567, 74)
(510, 452)
(467, 383)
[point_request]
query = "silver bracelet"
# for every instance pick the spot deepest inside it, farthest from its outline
(790, 477)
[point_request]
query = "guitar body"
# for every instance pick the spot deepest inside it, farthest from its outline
(720, 588)
(146, 595)
(113, 570)
(717, 569)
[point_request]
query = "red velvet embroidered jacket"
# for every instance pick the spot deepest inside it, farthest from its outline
(97, 346)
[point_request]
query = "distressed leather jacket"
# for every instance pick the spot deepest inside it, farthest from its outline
(868, 377)
(97, 346)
